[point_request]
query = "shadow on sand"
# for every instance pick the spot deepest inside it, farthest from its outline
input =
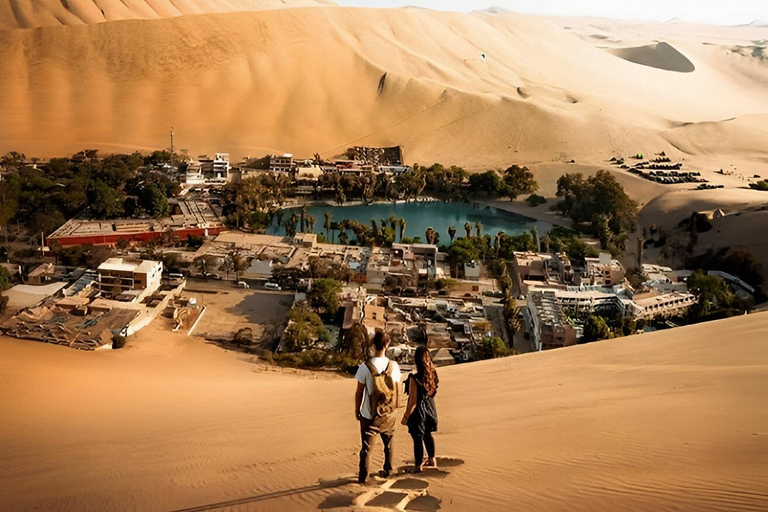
(329, 484)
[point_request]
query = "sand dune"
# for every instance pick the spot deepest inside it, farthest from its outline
(44, 13)
(742, 231)
(670, 208)
(666, 421)
(657, 55)
(306, 80)
(730, 136)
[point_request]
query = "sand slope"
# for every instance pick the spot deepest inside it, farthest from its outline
(307, 80)
(657, 55)
(44, 13)
(668, 421)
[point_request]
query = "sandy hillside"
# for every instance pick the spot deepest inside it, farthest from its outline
(667, 421)
(46, 13)
(476, 89)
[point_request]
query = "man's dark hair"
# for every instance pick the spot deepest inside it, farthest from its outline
(380, 340)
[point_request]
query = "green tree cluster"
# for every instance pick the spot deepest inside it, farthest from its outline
(325, 295)
(304, 330)
(492, 348)
(600, 206)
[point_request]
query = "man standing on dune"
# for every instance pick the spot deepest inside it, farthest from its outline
(377, 397)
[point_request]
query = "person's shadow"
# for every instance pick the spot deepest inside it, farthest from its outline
(323, 484)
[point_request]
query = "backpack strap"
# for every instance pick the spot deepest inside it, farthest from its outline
(372, 368)
(388, 370)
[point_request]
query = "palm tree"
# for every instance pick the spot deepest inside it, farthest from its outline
(327, 224)
(375, 228)
(452, 232)
(468, 229)
(290, 227)
(393, 221)
(403, 225)
(293, 220)
(497, 242)
(479, 228)
(334, 227)
(343, 238)
(311, 219)
(546, 241)
(430, 235)
(535, 235)
(303, 218)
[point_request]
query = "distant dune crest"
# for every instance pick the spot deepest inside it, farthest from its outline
(658, 55)
(45, 13)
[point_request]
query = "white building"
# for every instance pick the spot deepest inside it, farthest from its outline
(665, 305)
(194, 174)
(602, 271)
(128, 279)
(209, 171)
(472, 270)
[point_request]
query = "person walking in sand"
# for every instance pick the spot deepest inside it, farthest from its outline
(377, 397)
(421, 412)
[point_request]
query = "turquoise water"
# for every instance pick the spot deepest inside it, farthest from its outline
(422, 215)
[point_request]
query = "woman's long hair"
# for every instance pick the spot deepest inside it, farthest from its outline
(426, 371)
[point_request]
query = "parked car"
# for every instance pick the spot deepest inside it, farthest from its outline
(242, 284)
(272, 286)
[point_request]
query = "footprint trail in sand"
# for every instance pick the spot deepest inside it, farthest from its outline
(405, 491)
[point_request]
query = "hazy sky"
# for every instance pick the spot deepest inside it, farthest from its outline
(721, 12)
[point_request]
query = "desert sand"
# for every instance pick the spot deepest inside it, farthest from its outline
(672, 420)
(477, 89)
(51, 13)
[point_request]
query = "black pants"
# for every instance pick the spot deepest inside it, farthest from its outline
(419, 443)
(369, 429)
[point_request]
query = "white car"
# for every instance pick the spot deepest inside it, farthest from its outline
(272, 286)
(242, 284)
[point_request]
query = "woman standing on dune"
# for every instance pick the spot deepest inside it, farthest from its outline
(421, 413)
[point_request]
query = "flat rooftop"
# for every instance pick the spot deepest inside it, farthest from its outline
(128, 265)
(665, 298)
(193, 214)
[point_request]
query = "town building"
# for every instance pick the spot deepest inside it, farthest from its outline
(374, 319)
(664, 305)
(44, 273)
(472, 270)
(128, 279)
(547, 323)
(281, 163)
(209, 171)
(194, 174)
(195, 218)
(602, 271)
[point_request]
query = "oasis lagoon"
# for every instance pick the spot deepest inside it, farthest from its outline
(421, 215)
